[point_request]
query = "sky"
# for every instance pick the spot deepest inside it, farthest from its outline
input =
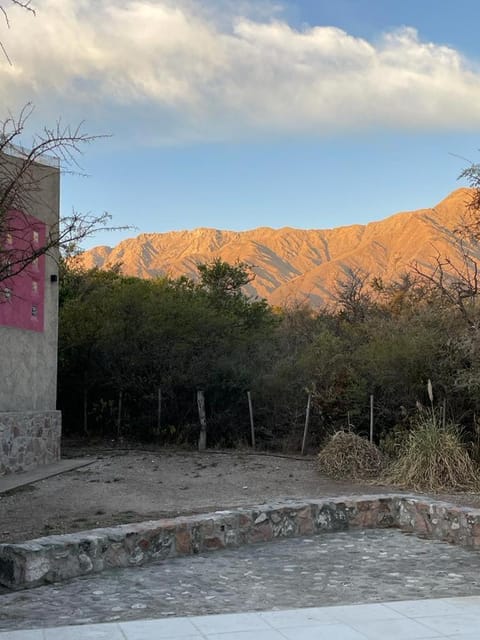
(239, 114)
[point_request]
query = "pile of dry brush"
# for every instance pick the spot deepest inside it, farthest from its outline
(432, 458)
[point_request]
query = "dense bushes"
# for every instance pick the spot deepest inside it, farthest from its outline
(124, 339)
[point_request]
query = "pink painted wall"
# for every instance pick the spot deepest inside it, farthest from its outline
(22, 295)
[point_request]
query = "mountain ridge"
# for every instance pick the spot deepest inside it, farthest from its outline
(300, 264)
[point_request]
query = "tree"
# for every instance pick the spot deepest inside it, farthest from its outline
(84, 301)
(455, 277)
(472, 175)
(22, 173)
(131, 337)
(456, 282)
(223, 279)
(24, 4)
(351, 295)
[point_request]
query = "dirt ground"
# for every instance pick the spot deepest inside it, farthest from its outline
(124, 486)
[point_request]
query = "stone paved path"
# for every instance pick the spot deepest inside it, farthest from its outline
(340, 568)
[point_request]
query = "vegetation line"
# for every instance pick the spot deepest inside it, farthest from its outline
(239, 452)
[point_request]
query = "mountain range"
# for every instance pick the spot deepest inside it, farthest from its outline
(299, 264)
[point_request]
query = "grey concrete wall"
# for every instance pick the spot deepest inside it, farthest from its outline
(28, 359)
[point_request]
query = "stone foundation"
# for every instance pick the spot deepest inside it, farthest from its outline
(29, 439)
(57, 558)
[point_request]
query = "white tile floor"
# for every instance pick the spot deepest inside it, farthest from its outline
(453, 618)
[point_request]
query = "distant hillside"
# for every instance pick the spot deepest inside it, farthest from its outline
(295, 263)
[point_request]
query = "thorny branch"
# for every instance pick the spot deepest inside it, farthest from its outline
(457, 284)
(55, 149)
(458, 281)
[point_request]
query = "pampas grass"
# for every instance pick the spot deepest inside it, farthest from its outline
(433, 458)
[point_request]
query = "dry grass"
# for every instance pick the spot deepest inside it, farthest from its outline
(434, 458)
(347, 455)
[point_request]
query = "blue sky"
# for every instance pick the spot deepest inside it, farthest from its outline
(304, 113)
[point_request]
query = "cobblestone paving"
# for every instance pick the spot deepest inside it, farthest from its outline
(337, 568)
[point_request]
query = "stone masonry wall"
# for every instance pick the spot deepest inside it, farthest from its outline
(57, 558)
(439, 521)
(28, 439)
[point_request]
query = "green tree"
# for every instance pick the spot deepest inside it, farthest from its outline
(132, 336)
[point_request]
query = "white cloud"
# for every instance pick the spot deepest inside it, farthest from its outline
(183, 71)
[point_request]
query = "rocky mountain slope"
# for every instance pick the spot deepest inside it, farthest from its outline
(297, 264)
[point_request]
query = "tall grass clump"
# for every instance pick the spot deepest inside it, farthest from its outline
(434, 457)
(347, 455)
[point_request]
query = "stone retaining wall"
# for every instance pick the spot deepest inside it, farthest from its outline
(56, 558)
(438, 520)
(29, 439)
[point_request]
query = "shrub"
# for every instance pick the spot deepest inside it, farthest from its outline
(347, 455)
(433, 458)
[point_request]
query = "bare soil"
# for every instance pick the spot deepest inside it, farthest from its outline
(124, 486)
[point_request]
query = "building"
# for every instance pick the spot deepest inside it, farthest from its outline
(30, 425)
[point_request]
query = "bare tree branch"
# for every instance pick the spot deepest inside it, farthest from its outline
(59, 148)
(457, 283)
(55, 149)
(471, 226)
(351, 293)
(23, 4)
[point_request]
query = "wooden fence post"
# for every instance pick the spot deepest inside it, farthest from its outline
(119, 416)
(159, 410)
(371, 418)
(202, 439)
(252, 426)
(85, 410)
(307, 420)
